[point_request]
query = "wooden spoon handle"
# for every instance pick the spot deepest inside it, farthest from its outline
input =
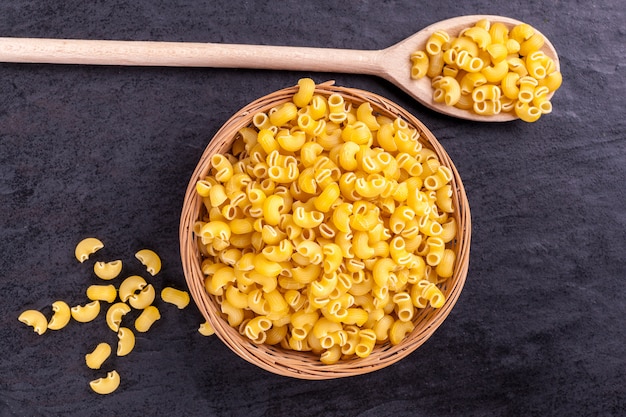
(183, 54)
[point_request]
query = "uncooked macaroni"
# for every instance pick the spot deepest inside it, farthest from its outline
(136, 292)
(35, 319)
(206, 329)
(107, 270)
(488, 69)
(61, 316)
(146, 319)
(143, 298)
(131, 286)
(126, 341)
(106, 385)
(114, 315)
(320, 244)
(177, 297)
(150, 260)
(86, 247)
(96, 358)
(86, 313)
(106, 293)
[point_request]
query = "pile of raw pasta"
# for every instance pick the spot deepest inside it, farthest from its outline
(326, 228)
(490, 68)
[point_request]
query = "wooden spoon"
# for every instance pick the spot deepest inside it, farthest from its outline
(392, 63)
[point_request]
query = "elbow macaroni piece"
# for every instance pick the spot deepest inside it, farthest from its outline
(177, 297)
(419, 66)
(448, 90)
(445, 267)
(86, 313)
(147, 318)
(114, 315)
(283, 114)
(126, 341)
(106, 293)
(367, 340)
(107, 270)
(435, 42)
(130, 286)
(107, 384)
(206, 329)
(336, 253)
(143, 298)
(61, 316)
(86, 247)
(527, 112)
(222, 167)
(150, 260)
(486, 54)
(256, 328)
(398, 331)
(305, 92)
(96, 358)
(35, 319)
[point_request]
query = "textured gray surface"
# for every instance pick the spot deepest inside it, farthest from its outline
(108, 151)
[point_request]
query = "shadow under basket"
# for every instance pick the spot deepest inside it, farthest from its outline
(305, 365)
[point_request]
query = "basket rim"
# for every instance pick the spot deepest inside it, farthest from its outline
(303, 365)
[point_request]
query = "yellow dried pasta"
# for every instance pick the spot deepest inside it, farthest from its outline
(96, 358)
(174, 296)
(35, 319)
(150, 259)
(134, 290)
(106, 385)
(488, 55)
(347, 224)
(61, 316)
(107, 270)
(86, 313)
(86, 247)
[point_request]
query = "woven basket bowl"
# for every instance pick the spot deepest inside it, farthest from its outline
(305, 365)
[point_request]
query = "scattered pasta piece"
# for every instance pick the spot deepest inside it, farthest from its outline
(86, 313)
(106, 293)
(35, 319)
(61, 316)
(489, 68)
(147, 318)
(126, 342)
(107, 384)
(150, 260)
(177, 297)
(87, 247)
(96, 358)
(130, 286)
(133, 291)
(143, 298)
(107, 270)
(114, 315)
(206, 329)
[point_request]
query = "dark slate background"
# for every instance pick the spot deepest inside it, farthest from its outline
(107, 151)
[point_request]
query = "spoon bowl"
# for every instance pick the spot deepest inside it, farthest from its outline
(421, 90)
(392, 63)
